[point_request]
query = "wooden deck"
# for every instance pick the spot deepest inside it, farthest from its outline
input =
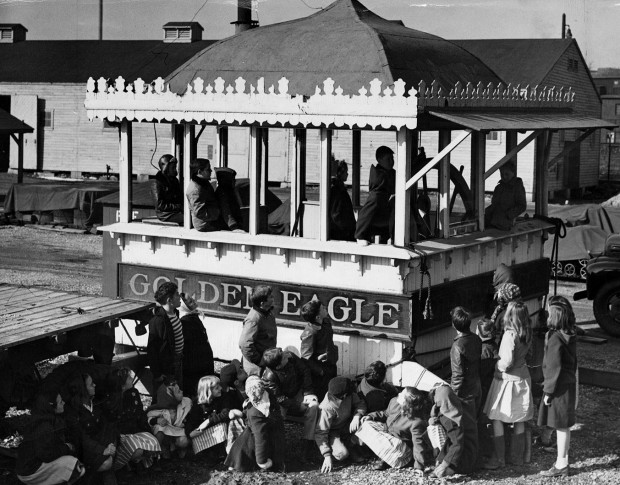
(29, 314)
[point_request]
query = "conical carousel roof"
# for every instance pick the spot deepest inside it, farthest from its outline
(346, 42)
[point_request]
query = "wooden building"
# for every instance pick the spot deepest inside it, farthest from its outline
(607, 82)
(42, 84)
(547, 62)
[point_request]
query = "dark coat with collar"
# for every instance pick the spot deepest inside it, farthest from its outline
(286, 383)
(168, 196)
(160, 346)
(259, 333)
(204, 206)
(377, 214)
(341, 216)
(507, 203)
(465, 361)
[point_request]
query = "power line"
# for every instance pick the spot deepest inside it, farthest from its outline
(313, 8)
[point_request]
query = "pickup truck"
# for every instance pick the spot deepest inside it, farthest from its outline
(603, 286)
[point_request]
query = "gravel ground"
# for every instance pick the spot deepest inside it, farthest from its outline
(34, 256)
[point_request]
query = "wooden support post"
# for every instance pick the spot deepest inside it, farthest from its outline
(478, 161)
(541, 176)
(264, 170)
(177, 149)
(356, 162)
(443, 210)
(405, 144)
(511, 144)
(20, 158)
(256, 148)
(326, 152)
(221, 147)
(187, 149)
(125, 168)
(298, 179)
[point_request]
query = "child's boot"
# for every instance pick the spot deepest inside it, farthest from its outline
(517, 448)
(498, 459)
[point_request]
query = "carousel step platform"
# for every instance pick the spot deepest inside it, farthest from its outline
(599, 378)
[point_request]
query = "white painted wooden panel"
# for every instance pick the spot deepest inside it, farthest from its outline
(24, 108)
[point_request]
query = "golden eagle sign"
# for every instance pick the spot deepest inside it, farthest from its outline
(229, 297)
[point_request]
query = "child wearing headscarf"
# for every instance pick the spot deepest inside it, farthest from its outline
(261, 445)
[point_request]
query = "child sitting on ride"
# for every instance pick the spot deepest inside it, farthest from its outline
(123, 406)
(510, 396)
(232, 380)
(207, 422)
(374, 390)
(167, 415)
(317, 346)
(396, 435)
(340, 417)
(261, 445)
(45, 456)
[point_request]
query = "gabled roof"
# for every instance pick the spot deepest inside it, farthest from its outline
(518, 61)
(9, 124)
(74, 61)
(344, 41)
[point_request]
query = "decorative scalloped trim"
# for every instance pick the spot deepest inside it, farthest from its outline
(138, 101)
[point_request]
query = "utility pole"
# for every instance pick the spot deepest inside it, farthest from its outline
(100, 19)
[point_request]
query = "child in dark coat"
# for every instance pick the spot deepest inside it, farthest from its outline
(317, 346)
(557, 410)
(261, 446)
(197, 351)
(465, 381)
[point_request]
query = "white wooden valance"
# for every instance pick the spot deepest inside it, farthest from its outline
(389, 107)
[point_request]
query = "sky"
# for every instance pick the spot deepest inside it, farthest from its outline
(594, 23)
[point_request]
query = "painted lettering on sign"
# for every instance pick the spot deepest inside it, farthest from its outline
(228, 296)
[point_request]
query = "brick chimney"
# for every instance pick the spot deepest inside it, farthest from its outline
(185, 32)
(11, 33)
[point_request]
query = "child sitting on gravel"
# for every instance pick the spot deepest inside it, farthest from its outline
(167, 416)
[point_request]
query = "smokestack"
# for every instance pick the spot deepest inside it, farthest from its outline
(244, 16)
(563, 26)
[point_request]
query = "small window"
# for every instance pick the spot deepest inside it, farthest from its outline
(210, 153)
(6, 34)
(573, 65)
(602, 90)
(617, 109)
(494, 136)
(616, 82)
(561, 136)
(48, 119)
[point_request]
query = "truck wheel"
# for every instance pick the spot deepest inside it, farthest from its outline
(607, 308)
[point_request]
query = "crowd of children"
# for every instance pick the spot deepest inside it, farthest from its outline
(236, 417)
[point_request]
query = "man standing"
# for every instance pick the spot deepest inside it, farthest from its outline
(377, 215)
(165, 345)
(167, 191)
(259, 329)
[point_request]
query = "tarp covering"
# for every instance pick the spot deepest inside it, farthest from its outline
(587, 228)
(344, 41)
(521, 121)
(48, 196)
